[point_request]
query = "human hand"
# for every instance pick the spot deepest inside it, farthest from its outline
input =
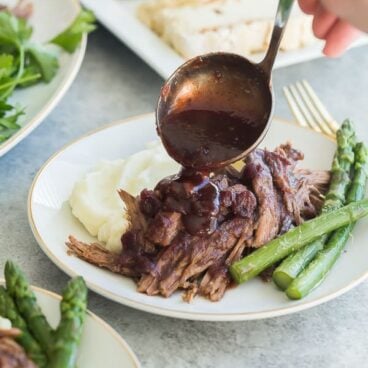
(338, 22)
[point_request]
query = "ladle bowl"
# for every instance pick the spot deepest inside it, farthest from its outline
(216, 108)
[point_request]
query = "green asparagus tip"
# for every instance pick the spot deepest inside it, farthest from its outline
(361, 153)
(78, 282)
(281, 279)
(293, 293)
(10, 269)
(10, 265)
(345, 136)
(75, 286)
(348, 126)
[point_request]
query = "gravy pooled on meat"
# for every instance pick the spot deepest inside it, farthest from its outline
(195, 196)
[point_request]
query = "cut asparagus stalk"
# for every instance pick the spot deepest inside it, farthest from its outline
(317, 270)
(291, 267)
(26, 302)
(295, 239)
(9, 310)
(73, 310)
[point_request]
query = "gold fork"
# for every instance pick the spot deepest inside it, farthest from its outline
(308, 109)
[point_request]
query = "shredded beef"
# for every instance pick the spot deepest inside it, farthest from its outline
(259, 175)
(217, 278)
(236, 212)
(12, 355)
(164, 227)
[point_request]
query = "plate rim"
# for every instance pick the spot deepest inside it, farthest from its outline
(167, 312)
(55, 98)
(96, 318)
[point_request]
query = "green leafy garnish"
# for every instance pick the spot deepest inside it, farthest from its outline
(41, 59)
(4, 108)
(8, 120)
(6, 65)
(71, 37)
(13, 30)
(24, 63)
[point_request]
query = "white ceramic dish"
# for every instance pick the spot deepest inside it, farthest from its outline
(119, 16)
(49, 18)
(101, 346)
(51, 221)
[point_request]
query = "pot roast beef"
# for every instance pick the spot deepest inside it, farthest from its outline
(185, 234)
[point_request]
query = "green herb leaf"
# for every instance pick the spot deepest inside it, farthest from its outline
(71, 37)
(4, 108)
(46, 62)
(6, 134)
(13, 30)
(30, 76)
(6, 65)
(8, 120)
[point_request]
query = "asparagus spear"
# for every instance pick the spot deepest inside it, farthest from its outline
(291, 267)
(9, 310)
(317, 270)
(67, 336)
(25, 300)
(295, 239)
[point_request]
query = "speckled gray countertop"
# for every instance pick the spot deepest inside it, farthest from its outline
(114, 83)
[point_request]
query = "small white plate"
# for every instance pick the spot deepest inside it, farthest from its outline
(48, 19)
(52, 221)
(119, 16)
(101, 346)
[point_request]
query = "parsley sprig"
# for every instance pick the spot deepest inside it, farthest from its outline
(24, 63)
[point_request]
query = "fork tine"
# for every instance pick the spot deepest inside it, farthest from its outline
(304, 110)
(325, 127)
(294, 108)
(320, 107)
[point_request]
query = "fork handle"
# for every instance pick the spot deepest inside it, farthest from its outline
(282, 16)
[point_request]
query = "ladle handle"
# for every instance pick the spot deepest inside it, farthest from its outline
(282, 16)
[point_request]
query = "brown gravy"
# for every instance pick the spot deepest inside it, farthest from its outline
(207, 122)
(205, 138)
(192, 194)
(212, 118)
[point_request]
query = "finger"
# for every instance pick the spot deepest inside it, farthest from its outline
(340, 7)
(339, 38)
(308, 6)
(353, 11)
(323, 21)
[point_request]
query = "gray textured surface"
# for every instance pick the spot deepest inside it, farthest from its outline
(113, 84)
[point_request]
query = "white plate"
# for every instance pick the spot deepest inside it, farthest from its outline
(49, 18)
(52, 221)
(119, 16)
(101, 346)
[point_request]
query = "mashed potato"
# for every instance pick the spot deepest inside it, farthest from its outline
(96, 203)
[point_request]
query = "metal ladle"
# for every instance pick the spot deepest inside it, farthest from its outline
(216, 108)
